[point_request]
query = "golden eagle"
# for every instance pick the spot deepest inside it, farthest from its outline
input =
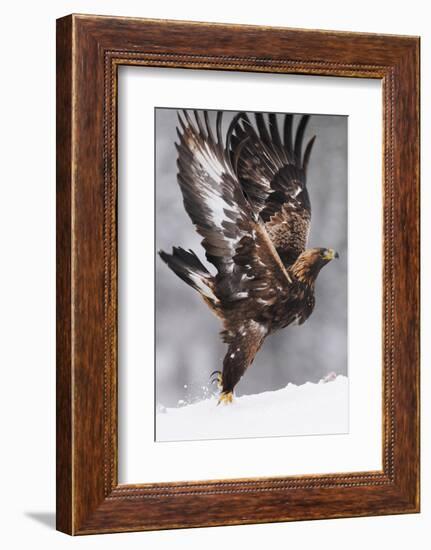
(247, 197)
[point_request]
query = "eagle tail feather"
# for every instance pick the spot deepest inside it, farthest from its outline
(191, 270)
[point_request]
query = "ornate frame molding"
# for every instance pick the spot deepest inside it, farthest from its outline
(90, 49)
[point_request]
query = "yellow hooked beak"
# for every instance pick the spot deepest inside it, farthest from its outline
(330, 254)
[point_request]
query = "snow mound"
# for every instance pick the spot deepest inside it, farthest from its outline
(310, 409)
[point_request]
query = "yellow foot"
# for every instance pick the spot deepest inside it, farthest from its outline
(225, 398)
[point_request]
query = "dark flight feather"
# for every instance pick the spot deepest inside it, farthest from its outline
(272, 174)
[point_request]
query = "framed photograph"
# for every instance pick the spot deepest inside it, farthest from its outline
(237, 274)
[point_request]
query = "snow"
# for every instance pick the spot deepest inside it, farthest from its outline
(309, 409)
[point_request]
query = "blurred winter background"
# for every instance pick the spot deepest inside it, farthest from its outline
(188, 347)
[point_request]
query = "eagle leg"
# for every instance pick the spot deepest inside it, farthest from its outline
(244, 343)
(234, 366)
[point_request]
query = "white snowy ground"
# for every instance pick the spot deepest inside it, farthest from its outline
(310, 409)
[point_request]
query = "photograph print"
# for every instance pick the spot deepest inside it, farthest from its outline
(250, 274)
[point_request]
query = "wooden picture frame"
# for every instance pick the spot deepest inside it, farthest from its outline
(89, 51)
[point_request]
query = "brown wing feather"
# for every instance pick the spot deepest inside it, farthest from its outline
(272, 173)
(212, 196)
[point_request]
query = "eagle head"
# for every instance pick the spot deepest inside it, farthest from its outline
(308, 264)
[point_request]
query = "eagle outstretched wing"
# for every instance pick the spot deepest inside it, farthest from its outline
(272, 173)
(236, 242)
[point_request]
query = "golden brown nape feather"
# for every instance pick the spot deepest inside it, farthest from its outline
(308, 264)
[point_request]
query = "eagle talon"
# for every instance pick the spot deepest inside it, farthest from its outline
(216, 378)
(225, 398)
